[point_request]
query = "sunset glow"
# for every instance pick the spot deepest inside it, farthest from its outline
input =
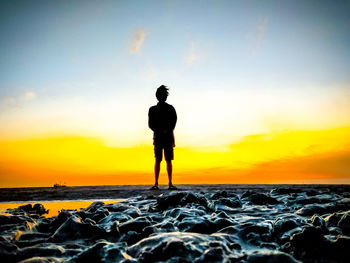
(262, 92)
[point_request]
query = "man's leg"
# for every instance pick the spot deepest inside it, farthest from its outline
(156, 171)
(169, 168)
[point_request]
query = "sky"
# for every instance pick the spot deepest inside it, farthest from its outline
(261, 90)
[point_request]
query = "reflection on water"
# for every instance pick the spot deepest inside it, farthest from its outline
(55, 206)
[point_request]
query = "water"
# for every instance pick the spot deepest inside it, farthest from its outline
(55, 206)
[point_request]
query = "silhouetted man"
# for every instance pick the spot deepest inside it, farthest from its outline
(162, 120)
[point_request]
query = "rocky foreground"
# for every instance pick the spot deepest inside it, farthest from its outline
(278, 225)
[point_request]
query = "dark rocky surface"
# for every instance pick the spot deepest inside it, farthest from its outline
(274, 224)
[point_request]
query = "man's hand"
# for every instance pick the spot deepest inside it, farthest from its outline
(164, 131)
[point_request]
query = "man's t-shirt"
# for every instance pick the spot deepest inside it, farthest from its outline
(162, 120)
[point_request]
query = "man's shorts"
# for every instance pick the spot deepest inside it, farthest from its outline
(168, 152)
(164, 144)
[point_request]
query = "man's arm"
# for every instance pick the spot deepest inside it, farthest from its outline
(150, 119)
(174, 118)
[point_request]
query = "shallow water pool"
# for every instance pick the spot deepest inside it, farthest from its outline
(55, 206)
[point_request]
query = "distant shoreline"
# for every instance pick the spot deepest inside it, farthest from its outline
(126, 191)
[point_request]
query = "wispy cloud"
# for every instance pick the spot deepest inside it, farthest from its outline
(29, 95)
(260, 35)
(16, 100)
(137, 40)
(192, 55)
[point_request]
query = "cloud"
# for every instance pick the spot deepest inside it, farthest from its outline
(16, 100)
(137, 40)
(29, 95)
(192, 55)
(260, 34)
(150, 74)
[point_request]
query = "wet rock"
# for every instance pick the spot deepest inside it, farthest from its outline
(180, 213)
(214, 254)
(6, 220)
(99, 214)
(316, 220)
(255, 233)
(8, 250)
(229, 230)
(310, 210)
(344, 223)
(124, 208)
(94, 206)
(180, 199)
(271, 257)
(333, 219)
(179, 247)
(285, 224)
(309, 243)
(259, 198)
(339, 249)
(74, 228)
(181, 226)
(40, 251)
(40, 260)
(26, 208)
(38, 209)
(101, 252)
(229, 202)
(137, 224)
(285, 191)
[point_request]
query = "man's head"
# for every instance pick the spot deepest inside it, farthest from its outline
(162, 93)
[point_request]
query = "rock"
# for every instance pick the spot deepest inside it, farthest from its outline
(6, 220)
(26, 208)
(39, 209)
(339, 249)
(49, 250)
(310, 210)
(74, 228)
(101, 252)
(94, 206)
(285, 191)
(255, 233)
(137, 224)
(317, 220)
(39, 260)
(179, 247)
(344, 223)
(270, 257)
(188, 226)
(333, 219)
(285, 224)
(213, 254)
(229, 202)
(259, 198)
(309, 243)
(180, 199)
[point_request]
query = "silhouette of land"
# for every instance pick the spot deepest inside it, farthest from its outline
(199, 223)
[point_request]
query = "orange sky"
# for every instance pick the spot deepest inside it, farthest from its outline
(318, 156)
(261, 91)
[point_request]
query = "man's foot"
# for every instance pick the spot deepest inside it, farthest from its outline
(172, 187)
(154, 187)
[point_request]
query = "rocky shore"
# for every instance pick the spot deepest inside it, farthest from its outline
(283, 224)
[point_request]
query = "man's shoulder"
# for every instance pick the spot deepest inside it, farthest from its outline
(153, 107)
(170, 106)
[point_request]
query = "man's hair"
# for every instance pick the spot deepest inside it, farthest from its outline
(162, 93)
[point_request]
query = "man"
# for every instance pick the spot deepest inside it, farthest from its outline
(162, 120)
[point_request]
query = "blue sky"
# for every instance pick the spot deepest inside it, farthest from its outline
(241, 64)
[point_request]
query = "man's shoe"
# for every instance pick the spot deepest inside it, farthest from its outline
(154, 187)
(172, 187)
